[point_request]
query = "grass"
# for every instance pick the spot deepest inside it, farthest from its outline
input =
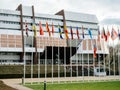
(114, 85)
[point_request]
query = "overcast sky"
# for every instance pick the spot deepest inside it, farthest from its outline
(107, 11)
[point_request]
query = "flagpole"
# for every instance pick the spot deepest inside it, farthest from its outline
(88, 59)
(52, 60)
(114, 58)
(118, 64)
(104, 58)
(82, 64)
(39, 64)
(24, 62)
(93, 58)
(58, 61)
(32, 62)
(65, 63)
(46, 61)
(71, 62)
(76, 61)
(52, 50)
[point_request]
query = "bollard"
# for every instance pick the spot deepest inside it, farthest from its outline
(44, 85)
(22, 80)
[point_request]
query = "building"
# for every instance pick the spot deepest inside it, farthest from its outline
(15, 46)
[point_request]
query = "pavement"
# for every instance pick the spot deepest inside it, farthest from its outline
(16, 83)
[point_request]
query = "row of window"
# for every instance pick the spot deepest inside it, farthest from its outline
(9, 22)
(8, 15)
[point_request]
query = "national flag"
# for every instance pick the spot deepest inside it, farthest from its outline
(118, 33)
(48, 29)
(71, 32)
(66, 31)
(95, 49)
(104, 34)
(114, 34)
(90, 33)
(108, 34)
(52, 29)
(77, 32)
(59, 30)
(41, 29)
(26, 28)
(34, 28)
(83, 32)
(98, 35)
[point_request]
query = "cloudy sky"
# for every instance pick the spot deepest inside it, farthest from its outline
(107, 11)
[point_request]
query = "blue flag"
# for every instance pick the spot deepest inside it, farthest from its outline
(90, 33)
(59, 30)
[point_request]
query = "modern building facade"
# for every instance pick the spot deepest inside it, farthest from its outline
(15, 46)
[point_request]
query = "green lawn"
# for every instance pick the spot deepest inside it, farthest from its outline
(114, 85)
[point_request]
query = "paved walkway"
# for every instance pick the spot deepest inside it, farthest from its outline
(15, 83)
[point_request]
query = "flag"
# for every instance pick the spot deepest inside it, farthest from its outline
(108, 34)
(26, 28)
(34, 28)
(114, 34)
(104, 36)
(52, 29)
(77, 32)
(90, 33)
(118, 33)
(59, 30)
(48, 29)
(83, 32)
(71, 32)
(66, 31)
(41, 29)
(98, 35)
(95, 49)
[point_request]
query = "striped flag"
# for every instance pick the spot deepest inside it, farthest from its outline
(59, 30)
(52, 29)
(41, 29)
(83, 35)
(114, 34)
(66, 31)
(71, 32)
(48, 29)
(77, 32)
(26, 28)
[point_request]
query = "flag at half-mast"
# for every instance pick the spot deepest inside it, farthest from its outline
(114, 34)
(34, 28)
(71, 31)
(66, 31)
(41, 29)
(77, 32)
(52, 29)
(60, 32)
(48, 29)
(26, 28)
